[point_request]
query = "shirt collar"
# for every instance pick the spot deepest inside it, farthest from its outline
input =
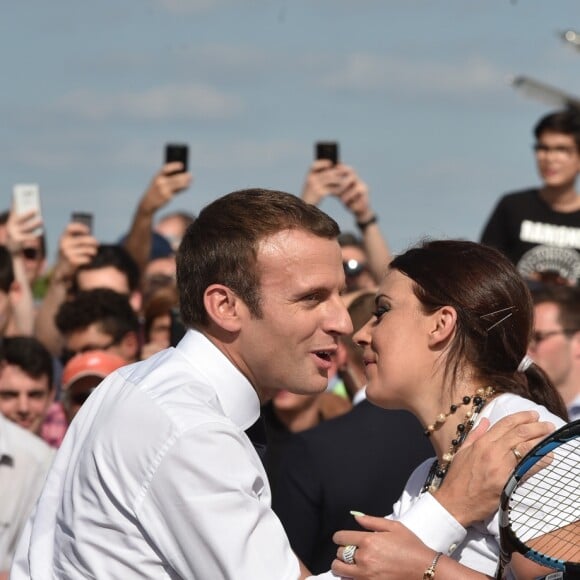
(236, 394)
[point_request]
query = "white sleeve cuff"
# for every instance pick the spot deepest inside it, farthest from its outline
(433, 524)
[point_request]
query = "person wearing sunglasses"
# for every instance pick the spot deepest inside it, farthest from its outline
(538, 229)
(82, 375)
(555, 344)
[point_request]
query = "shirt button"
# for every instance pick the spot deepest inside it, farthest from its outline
(452, 548)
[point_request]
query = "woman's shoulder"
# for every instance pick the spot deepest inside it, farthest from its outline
(509, 403)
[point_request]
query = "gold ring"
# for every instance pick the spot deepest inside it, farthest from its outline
(517, 454)
(348, 554)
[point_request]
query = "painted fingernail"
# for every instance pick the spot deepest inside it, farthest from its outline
(355, 513)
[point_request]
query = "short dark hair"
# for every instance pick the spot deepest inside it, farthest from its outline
(221, 246)
(6, 270)
(28, 354)
(115, 256)
(107, 308)
(566, 298)
(494, 313)
(566, 122)
(350, 239)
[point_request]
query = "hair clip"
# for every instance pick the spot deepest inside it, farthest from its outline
(491, 314)
(525, 364)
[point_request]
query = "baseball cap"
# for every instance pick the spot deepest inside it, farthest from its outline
(93, 363)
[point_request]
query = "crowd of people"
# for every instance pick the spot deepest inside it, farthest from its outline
(316, 381)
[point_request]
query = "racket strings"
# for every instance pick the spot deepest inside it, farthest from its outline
(544, 508)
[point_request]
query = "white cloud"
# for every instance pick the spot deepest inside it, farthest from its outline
(365, 72)
(189, 101)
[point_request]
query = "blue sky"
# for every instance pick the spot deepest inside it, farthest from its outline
(416, 92)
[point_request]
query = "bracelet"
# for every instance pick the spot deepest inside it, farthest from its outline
(362, 226)
(429, 574)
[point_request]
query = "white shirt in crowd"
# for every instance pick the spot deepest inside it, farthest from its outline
(24, 462)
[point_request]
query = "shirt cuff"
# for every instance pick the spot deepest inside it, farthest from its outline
(434, 525)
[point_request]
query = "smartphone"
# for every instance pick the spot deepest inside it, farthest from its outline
(26, 197)
(83, 218)
(327, 150)
(177, 152)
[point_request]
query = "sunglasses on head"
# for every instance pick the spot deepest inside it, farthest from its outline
(353, 268)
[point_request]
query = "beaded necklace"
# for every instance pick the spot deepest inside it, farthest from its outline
(439, 470)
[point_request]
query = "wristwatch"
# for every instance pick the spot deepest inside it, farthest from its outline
(429, 574)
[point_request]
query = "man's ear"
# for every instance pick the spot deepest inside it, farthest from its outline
(223, 307)
(442, 325)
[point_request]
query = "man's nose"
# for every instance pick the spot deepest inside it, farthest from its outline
(23, 404)
(343, 322)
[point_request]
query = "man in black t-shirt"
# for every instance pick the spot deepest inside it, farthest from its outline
(539, 228)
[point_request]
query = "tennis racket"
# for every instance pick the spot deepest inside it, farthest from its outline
(539, 513)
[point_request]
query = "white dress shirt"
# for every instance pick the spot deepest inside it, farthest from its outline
(476, 547)
(157, 479)
(24, 462)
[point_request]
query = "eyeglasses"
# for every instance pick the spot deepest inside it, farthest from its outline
(540, 336)
(558, 150)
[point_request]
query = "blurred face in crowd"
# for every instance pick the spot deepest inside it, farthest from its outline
(553, 347)
(355, 263)
(172, 228)
(107, 277)
(24, 399)
(34, 261)
(94, 338)
(160, 331)
(557, 159)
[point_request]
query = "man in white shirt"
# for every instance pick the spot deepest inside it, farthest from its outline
(156, 477)
(24, 462)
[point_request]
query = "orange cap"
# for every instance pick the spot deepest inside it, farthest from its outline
(93, 363)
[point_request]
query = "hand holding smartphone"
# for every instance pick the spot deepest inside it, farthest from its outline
(83, 218)
(327, 150)
(177, 152)
(26, 198)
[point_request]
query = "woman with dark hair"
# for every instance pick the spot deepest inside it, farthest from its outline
(447, 342)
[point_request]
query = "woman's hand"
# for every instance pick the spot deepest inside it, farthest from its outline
(388, 550)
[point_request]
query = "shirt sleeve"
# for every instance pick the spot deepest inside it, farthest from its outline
(433, 524)
(207, 510)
